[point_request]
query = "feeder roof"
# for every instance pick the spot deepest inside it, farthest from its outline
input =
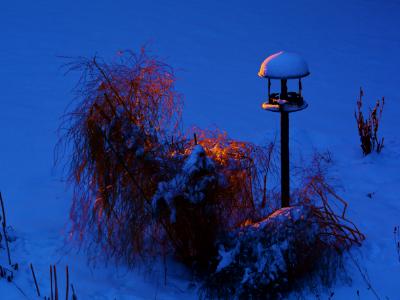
(284, 65)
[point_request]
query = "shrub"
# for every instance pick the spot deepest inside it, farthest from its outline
(316, 188)
(244, 166)
(187, 206)
(368, 127)
(126, 142)
(216, 190)
(263, 260)
(118, 133)
(292, 248)
(142, 187)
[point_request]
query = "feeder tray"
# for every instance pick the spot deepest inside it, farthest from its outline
(284, 106)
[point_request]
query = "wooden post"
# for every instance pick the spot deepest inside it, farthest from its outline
(300, 87)
(285, 187)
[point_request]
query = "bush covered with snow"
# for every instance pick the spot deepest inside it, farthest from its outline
(293, 248)
(203, 203)
(142, 189)
(187, 206)
(118, 132)
(273, 257)
(140, 184)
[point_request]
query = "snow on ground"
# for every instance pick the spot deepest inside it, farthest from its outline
(217, 48)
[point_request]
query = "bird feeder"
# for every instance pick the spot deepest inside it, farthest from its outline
(284, 66)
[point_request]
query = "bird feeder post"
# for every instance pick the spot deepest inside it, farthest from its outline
(284, 66)
(285, 177)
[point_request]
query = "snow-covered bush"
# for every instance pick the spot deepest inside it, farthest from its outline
(205, 201)
(187, 204)
(261, 260)
(368, 127)
(143, 188)
(244, 167)
(290, 250)
(192, 184)
(118, 134)
(127, 150)
(293, 248)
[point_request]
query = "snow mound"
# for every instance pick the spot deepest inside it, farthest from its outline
(284, 65)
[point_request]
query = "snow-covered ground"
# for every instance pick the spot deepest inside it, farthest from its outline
(216, 48)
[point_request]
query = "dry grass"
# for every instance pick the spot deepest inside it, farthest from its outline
(368, 127)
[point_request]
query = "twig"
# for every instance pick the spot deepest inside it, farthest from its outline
(51, 283)
(67, 284)
(18, 288)
(364, 275)
(55, 283)
(34, 279)
(396, 233)
(4, 229)
(165, 263)
(264, 198)
(74, 297)
(195, 138)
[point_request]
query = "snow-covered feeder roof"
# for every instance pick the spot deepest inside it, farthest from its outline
(284, 65)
